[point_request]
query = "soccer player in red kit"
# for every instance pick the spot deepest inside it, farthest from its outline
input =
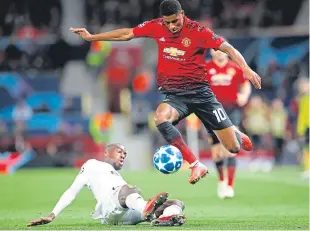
(182, 44)
(233, 90)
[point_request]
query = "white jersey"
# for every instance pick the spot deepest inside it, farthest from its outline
(104, 182)
(101, 178)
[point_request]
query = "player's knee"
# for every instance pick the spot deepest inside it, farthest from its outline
(125, 191)
(217, 158)
(175, 202)
(132, 189)
(178, 203)
(233, 148)
(162, 115)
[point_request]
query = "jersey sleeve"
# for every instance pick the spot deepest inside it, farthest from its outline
(145, 29)
(210, 39)
(69, 195)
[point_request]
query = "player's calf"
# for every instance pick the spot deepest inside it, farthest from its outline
(244, 140)
(233, 140)
(127, 190)
(130, 197)
(170, 207)
(228, 139)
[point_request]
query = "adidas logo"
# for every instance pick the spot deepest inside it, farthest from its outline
(162, 39)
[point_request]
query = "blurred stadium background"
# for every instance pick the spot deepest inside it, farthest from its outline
(62, 99)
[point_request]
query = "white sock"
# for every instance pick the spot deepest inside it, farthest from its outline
(136, 202)
(194, 163)
(172, 210)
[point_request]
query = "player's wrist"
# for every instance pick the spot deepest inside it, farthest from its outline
(52, 216)
(245, 68)
(89, 38)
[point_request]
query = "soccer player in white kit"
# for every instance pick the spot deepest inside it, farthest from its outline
(117, 202)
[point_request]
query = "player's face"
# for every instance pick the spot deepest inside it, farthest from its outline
(174, 22)
(218, 55)
(117, 157)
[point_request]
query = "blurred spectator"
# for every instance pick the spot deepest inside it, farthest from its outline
(272, 79)
(303, 122)
(224, 13)
(77, 139)
(278, 125)
(139, 114)
(291, 76)
(64, 129)
(45, 15)
(57, 54)
(11, 58)
(256, 119)
(22, 112)
(233, 14)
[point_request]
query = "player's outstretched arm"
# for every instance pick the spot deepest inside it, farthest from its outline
(65, 200)
(123, 34)
(238, 58)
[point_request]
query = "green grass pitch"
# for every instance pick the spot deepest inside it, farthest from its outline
(277, 200)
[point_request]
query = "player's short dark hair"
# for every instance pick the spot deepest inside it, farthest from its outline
(111, 147)
(170, 7)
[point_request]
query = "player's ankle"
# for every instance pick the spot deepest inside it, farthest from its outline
(195, 163)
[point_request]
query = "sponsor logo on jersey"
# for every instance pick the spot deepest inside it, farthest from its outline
(174, 51)
(162, 39)
(221, 80)
(186, 42)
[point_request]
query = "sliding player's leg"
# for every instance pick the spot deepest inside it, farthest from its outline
(170, 214)
(129, 197)
(169, 113)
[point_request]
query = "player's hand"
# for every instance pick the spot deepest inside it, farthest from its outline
(253, 77)
(81, 32)
(42, 221)
(242, 100)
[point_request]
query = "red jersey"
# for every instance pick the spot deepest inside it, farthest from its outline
(225, 81)
(181, 56)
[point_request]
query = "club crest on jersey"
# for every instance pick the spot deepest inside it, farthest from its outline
(186, 42)
(142, 24)
(172, 51)
(231, 71)
(212, 71)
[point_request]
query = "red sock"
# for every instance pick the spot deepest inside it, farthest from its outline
(220, 169)
(231, 175)
(182, 146)
(221, 173)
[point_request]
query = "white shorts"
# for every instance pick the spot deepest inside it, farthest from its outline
(112, 213)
